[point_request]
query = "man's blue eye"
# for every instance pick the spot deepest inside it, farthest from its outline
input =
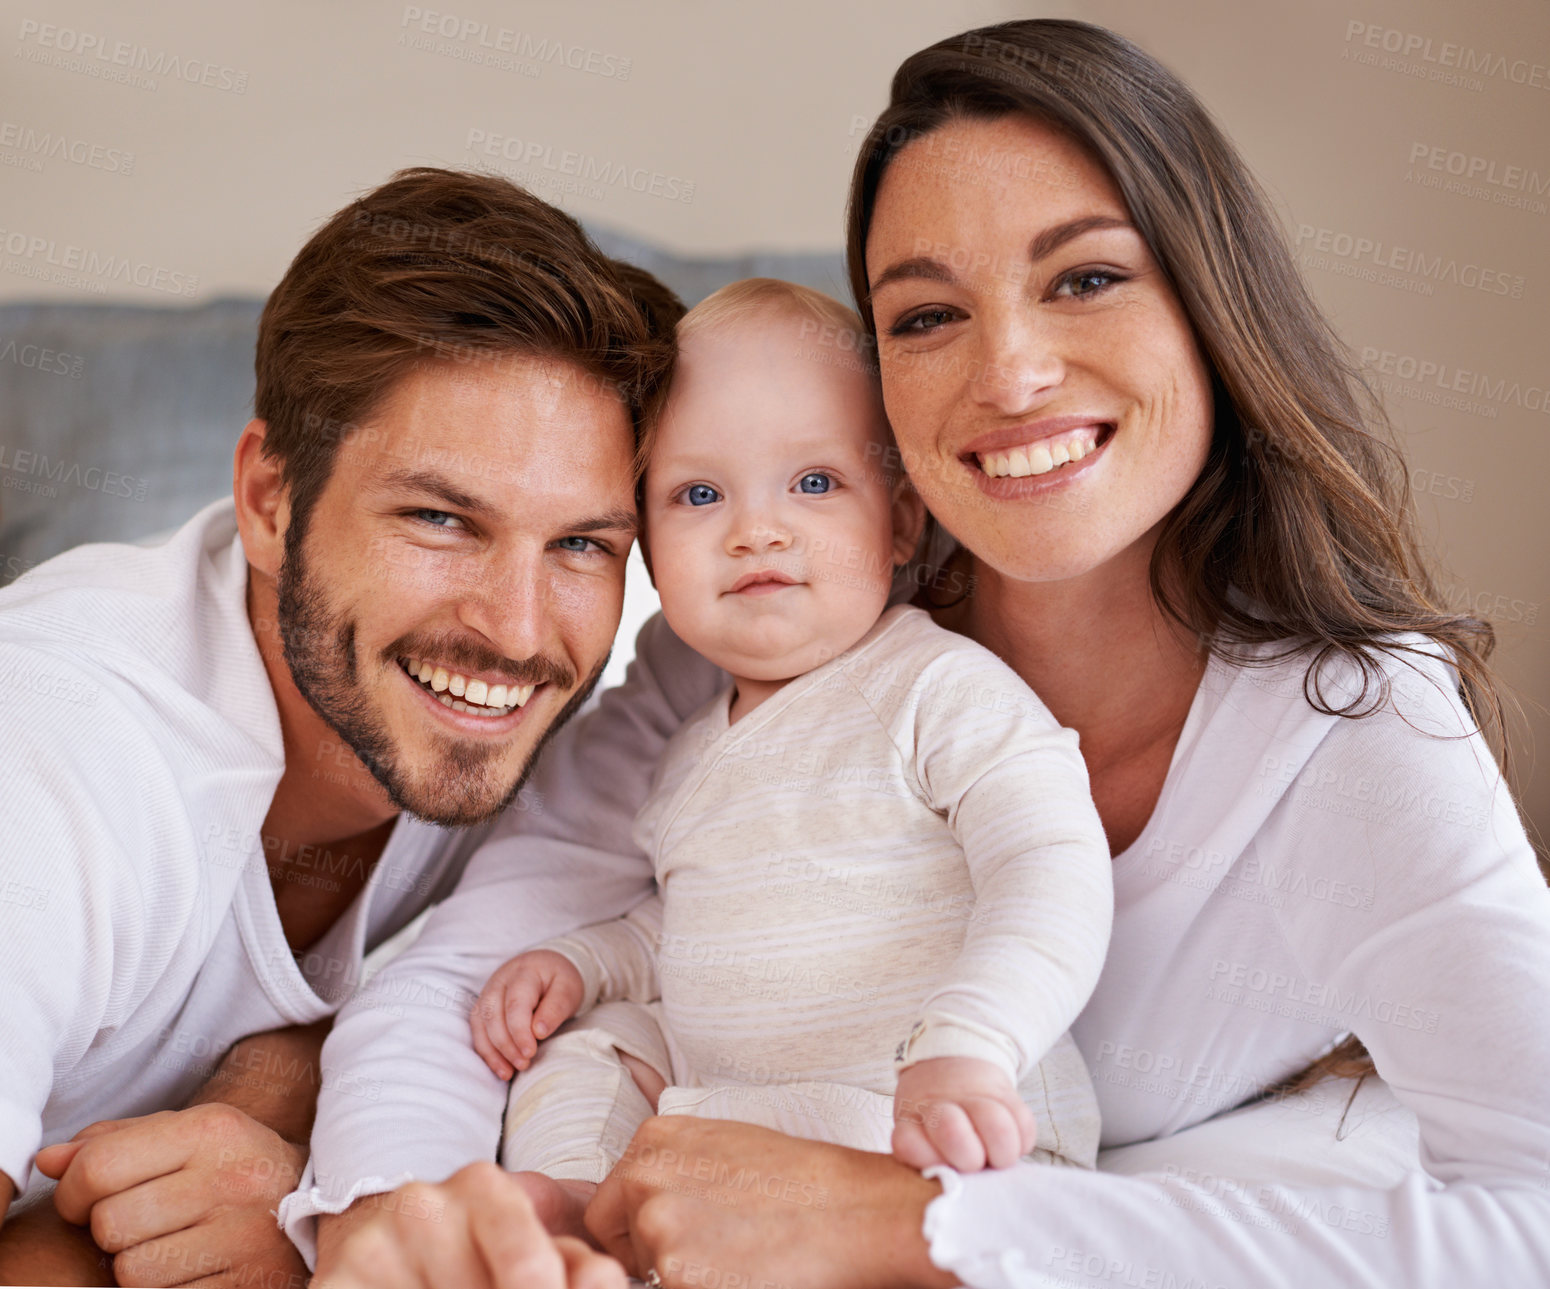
(581, 549)
(701, 494)
(435, 519)
(816, 482)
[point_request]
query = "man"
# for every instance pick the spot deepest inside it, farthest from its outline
(298, 712)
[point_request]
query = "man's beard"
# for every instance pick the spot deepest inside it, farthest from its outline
(319, 649)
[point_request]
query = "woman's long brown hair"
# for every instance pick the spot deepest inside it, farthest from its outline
(1300, 530)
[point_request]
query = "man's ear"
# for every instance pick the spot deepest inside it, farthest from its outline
(263, 500)
(908, 512)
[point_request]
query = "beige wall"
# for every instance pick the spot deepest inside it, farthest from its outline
(740, 123)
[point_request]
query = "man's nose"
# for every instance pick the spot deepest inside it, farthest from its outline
(507, 600)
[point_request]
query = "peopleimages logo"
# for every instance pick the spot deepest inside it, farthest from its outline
(86, 264)
(1439, 60)
(122, 60)
(1432, 380)
(1500, 183)
(51, 146)
(477, 42)
(1332, 249)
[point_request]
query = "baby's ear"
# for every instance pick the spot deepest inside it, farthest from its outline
(908, 512)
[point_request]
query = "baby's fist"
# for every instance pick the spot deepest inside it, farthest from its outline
(526, 1000)
(962, 1112)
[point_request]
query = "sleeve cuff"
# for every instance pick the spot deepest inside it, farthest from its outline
(579, 954)
(949, 1229)
(299, 1211)
(931, 1039)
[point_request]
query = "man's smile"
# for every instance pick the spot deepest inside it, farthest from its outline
(465, 695)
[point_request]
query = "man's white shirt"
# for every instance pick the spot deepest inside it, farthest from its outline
(139, 937)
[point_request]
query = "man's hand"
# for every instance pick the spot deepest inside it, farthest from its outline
(962, 1112)
(182, 1195)
(524, 1001)
(476, 1230)
(190, 1194)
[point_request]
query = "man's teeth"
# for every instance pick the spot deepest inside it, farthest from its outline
(1040, 457)
(463, 695)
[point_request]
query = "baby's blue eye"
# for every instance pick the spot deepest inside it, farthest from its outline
(817, 482)
(701, 494)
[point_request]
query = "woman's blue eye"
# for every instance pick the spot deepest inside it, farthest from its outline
(701, 494)
(817, 482)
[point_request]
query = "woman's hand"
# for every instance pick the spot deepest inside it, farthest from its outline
(704, 1201)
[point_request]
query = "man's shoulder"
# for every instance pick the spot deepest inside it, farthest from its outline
(139, 647)
(125, 590)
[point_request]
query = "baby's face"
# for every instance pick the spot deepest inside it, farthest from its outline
(769, 514)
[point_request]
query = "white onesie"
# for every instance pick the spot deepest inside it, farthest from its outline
(895, 857)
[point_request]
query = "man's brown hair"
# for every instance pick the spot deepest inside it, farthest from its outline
(442, 265)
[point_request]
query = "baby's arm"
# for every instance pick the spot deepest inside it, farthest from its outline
(531, 995)
(1014, 789)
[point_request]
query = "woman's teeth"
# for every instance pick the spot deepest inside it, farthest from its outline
(463, 695)
(1040, 457)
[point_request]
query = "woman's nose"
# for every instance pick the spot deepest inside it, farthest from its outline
(1019, 361)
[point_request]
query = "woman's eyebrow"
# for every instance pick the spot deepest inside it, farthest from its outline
(920, 268)
(1052, 239)
(926, 268)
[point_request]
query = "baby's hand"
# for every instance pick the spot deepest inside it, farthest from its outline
(962, 1112)
(526, 1000)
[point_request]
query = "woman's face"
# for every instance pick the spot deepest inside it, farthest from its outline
(1021, 323)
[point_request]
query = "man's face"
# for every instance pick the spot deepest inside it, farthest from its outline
(473, 530)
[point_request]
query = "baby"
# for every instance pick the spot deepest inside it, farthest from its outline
(884, 889)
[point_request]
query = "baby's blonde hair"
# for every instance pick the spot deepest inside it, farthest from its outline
(835, 326)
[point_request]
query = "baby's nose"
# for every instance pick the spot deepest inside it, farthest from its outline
(763, 535)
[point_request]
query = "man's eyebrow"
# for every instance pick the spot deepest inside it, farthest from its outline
(924, 268)
(428, 481)
(624, 521)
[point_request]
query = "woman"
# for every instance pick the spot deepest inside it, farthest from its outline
(1223, 596)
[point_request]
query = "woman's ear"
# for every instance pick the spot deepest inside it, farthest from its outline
(908, 512)
(263, 500)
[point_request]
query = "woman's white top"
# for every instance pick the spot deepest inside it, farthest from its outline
(1303, 876)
